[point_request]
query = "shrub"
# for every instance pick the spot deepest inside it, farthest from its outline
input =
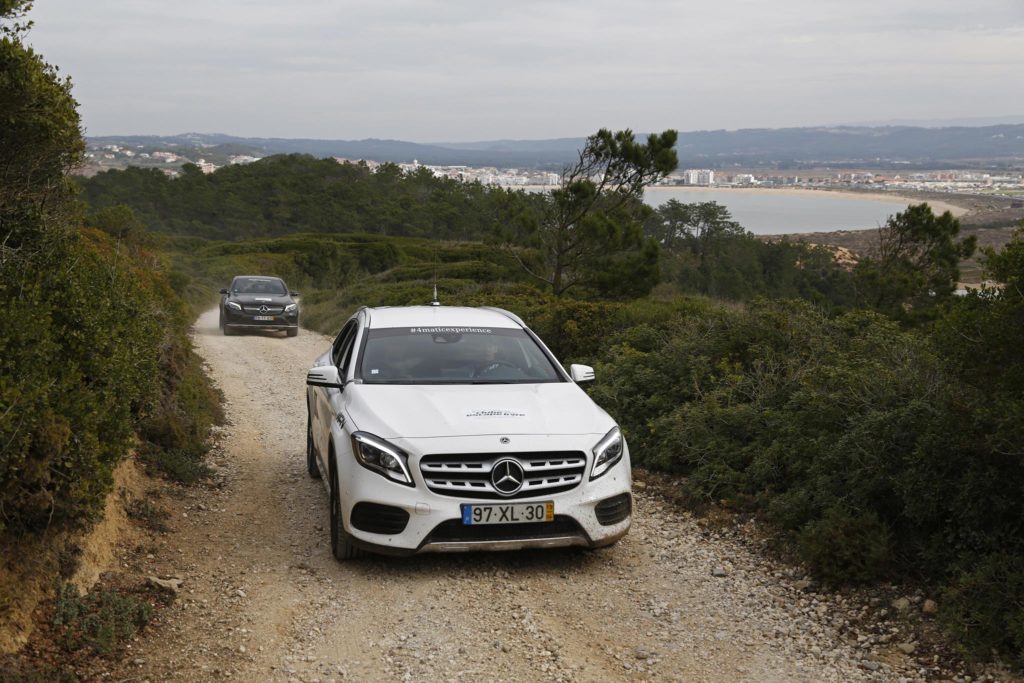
(182, 465)
(79, 367)
(983, 606)
(102, 621)
(843, 546)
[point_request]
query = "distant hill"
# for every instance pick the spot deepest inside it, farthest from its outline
(880, 147)
(943, 123)
(530, 155)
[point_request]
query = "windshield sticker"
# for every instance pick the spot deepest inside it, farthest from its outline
(495, 413)
(449, 330)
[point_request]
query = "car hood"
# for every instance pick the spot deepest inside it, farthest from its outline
(257, 299)
(423, 411)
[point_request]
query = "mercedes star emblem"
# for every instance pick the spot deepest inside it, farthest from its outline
(507, 477)
(264, 309)
(505, 440)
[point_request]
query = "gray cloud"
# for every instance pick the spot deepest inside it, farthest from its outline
(431, 70)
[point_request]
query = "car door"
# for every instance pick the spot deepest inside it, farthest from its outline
(326, 401)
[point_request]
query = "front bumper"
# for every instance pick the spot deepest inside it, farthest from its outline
(435, 521)
(241, 319)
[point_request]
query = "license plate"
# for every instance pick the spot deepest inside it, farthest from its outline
(508, 513)
(263, 317)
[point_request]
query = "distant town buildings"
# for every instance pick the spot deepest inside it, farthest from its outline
(104, 156)
(487, 175)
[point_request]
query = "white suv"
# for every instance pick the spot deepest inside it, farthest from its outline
(442, 428)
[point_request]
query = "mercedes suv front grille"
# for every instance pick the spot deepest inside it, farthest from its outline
(469, 475)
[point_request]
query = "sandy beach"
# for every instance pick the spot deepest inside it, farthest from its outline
(937, 206)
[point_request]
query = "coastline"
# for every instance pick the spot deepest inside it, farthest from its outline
(938, 207)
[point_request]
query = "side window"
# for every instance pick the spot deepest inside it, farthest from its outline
(343, 340)
(348, 351)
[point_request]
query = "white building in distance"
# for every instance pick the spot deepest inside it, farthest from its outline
(698, 176)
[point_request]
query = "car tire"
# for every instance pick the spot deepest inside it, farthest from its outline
(311, 466)
(228, 332)
(341, 545)
(293, 331)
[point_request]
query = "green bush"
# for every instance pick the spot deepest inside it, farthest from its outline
(879, 452)
(183, 465)
(94, 349)
(843, 546)
(983, 606)
(102, 621)
(79, 357)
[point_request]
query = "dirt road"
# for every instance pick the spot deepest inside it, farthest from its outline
(263, 599)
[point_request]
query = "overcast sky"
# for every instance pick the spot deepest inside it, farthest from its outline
(464, 70)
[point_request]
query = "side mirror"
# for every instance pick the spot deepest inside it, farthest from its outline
(293, 293)
(223, 291)
(581, 373)
(324, 376)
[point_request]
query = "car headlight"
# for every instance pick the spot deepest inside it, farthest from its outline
(378, 455)
(234, 305)
(607, 452)
(290, 307)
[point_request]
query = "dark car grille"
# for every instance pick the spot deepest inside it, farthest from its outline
(379, 519)
(613, 510)
(454, 531)
(257, 310)
(469, 475)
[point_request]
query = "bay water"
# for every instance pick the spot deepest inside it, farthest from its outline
(774, 212)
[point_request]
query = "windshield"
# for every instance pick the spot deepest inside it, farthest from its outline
(259, 285)
(454, 355)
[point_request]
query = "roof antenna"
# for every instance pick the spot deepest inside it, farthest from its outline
(434, 301)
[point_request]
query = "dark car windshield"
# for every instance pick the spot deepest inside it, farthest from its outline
(454, 355)
(259, 285)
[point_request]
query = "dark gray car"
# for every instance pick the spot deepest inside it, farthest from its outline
(258, 302)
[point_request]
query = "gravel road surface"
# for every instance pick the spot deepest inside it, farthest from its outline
(263, 599)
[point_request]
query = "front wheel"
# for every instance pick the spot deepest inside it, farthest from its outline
(311, 466)
(341, 545)
(293, 331)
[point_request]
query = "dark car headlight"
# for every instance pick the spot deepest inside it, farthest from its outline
(290, 307)
(374, 453)
(235, 305)
(607, 452)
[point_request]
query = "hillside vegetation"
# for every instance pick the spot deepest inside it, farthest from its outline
(869, 415)
(95, 358)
